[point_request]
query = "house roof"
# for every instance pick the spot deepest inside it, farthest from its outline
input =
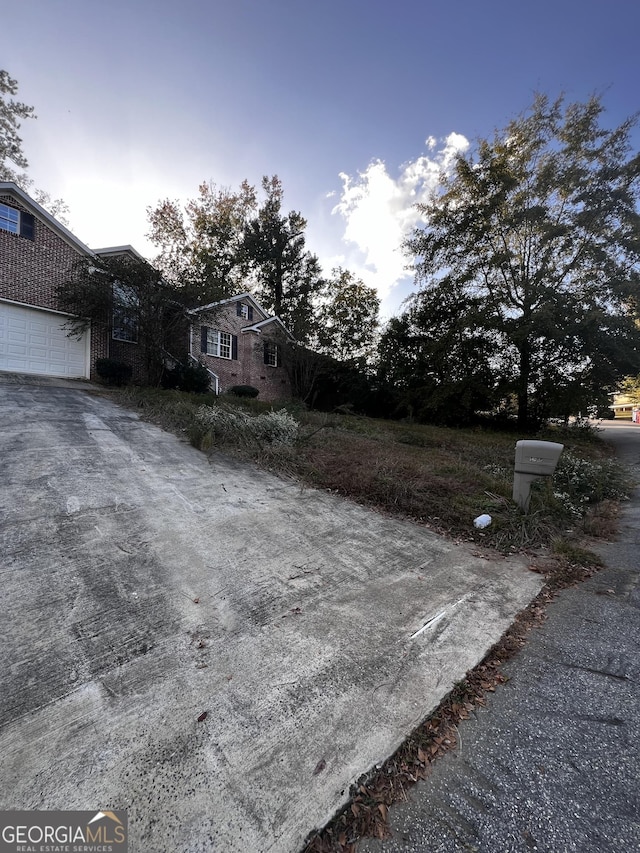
(11, 189)
(245, 297)
(257, 327)
(8, 188)
(120, 250)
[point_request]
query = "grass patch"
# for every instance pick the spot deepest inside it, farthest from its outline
(440, 477)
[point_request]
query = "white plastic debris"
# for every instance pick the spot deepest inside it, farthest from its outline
(482, 521)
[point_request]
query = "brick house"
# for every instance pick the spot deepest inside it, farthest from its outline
(238, 342)
(37, 253)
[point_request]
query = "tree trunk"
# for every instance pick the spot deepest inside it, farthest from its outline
(523, 385)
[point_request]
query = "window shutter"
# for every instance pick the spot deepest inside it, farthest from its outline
(265, 352)
(250, 309)
(239, 309)
(203, 339)
(234, 347)
(27, 226)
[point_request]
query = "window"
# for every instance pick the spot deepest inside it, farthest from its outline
(125, 314)
(271, 353)
(218, 343)
(244, 310)
(17, 222)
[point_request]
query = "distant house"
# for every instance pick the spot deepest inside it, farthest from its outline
(236, 339)
(241, 344)
(625, 407)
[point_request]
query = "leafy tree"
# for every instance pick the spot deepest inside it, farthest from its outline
(287, 276)
(438, 359)
(201, 247)
(348, 318)
(537, 236)
(129, 288)
(12, 157)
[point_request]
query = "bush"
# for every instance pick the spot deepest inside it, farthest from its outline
(194, 378)
(237, 427)
(113, 372)
(244, 391)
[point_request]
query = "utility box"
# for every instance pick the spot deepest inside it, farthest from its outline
(533, 459)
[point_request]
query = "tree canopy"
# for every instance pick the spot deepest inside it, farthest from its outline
(535, 239)
(12, 156)
(126, 292)
(228, 241)
(13, 161)
(348, 318)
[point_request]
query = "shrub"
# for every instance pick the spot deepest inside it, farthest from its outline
(237, 427)
(244, 391)
(113, 372)
(194, 378)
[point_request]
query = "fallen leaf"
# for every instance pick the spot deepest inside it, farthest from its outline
(202, 717)
(196, 601)
(383, 810)
(320, 766)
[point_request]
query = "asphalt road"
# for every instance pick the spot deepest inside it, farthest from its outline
(552, 764)
(215, 650)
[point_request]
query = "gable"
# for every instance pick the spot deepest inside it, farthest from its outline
(33, 218)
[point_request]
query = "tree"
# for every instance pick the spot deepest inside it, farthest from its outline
(12, 157)
(348, 318)
(537, 235)
(129, 294)
(201, 249)
(287, 276)
(438, 359)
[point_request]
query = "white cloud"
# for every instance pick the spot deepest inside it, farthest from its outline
(379, 209)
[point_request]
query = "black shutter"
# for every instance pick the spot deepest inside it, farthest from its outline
(266, 352)
(27, 226)
(234, 347)
(203, 339)
(239, 309)
(250, 309)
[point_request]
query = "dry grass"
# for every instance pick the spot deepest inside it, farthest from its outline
(439, 477)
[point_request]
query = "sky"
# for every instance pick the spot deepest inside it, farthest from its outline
(355, 104)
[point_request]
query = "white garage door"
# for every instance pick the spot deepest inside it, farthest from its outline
(34, 341)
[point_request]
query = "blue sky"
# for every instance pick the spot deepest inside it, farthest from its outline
(355, 104)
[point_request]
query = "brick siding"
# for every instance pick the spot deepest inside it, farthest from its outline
(249, 368)
(30, 271)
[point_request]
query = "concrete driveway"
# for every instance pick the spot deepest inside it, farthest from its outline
(144, 585)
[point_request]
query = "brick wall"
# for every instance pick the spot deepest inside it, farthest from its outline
(30, 270)
(249, 368)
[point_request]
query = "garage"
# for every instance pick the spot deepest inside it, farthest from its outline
(33, 340)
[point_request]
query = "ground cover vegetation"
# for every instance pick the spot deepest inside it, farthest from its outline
(439, 476)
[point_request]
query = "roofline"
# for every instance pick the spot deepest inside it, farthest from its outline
(257, 327)
(120, 250)
(245, 295)
(11, 188)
